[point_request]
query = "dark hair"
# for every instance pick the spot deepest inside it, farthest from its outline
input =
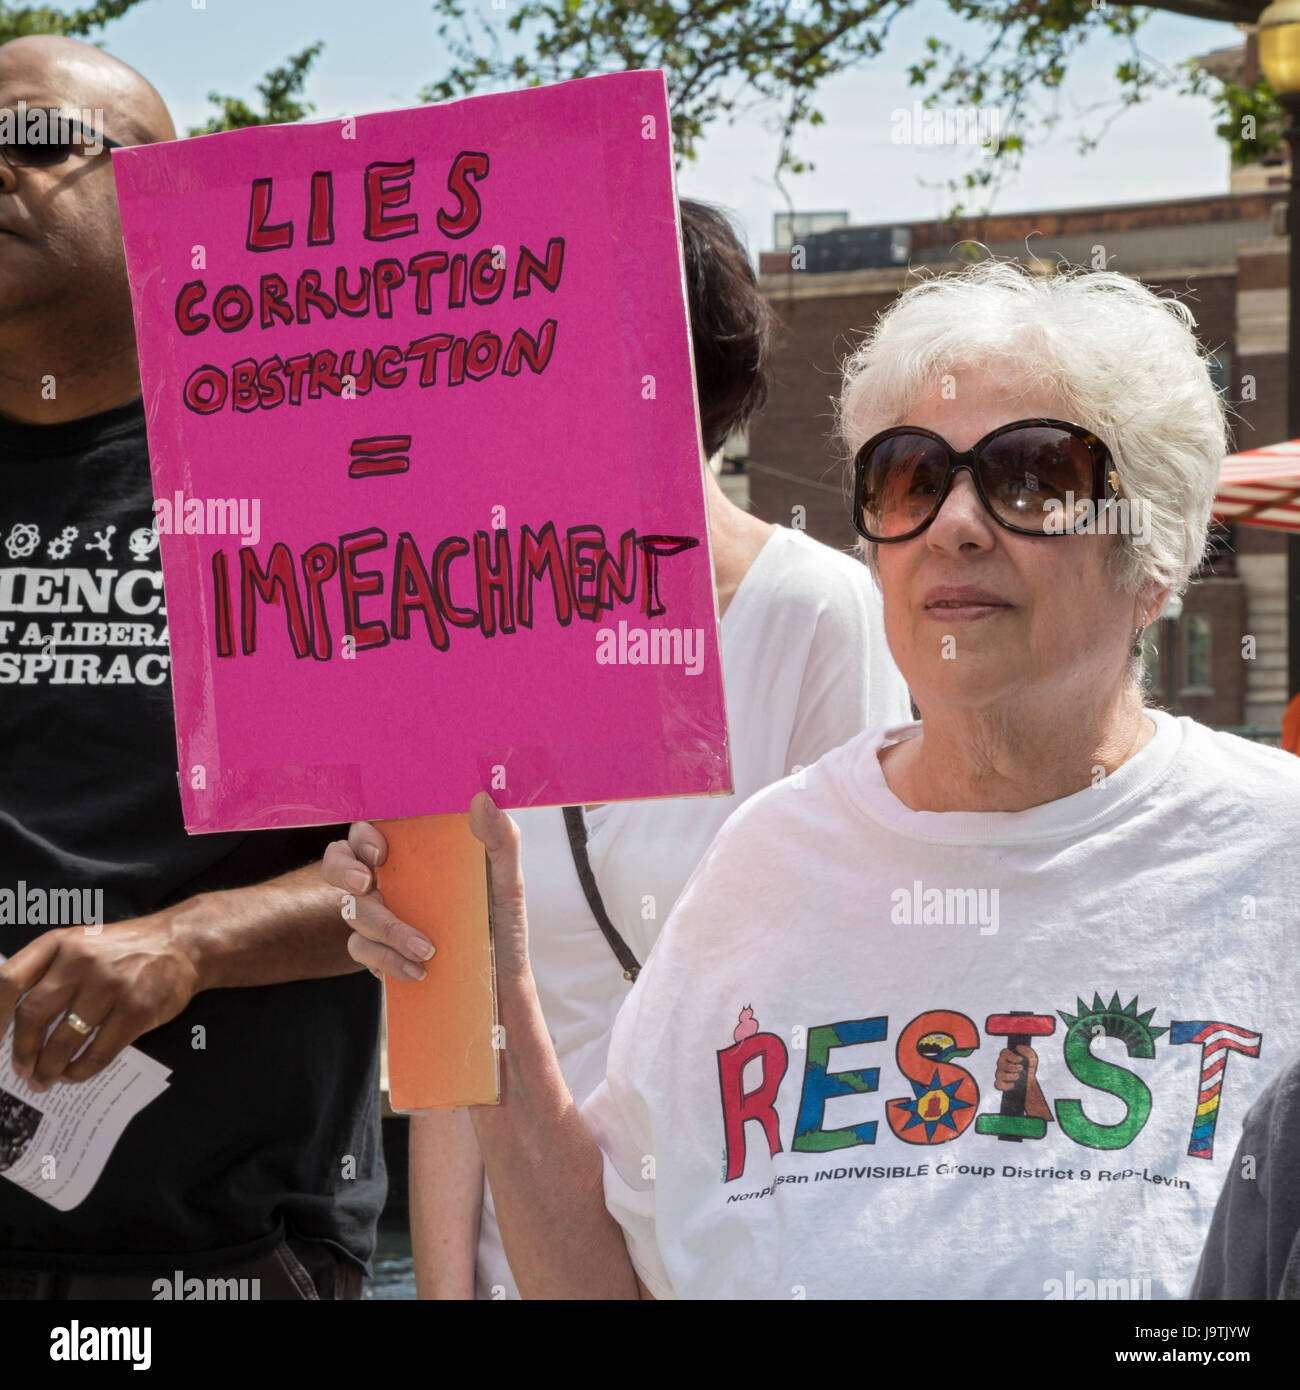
(731, 324)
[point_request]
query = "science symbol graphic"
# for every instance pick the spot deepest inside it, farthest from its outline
(61, 546)
(142, 542)
(22, 540)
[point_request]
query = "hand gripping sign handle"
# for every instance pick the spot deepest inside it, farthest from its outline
(1019, 1027)
(442, 1037)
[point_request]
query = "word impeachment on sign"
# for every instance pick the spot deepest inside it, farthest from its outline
(585, 580)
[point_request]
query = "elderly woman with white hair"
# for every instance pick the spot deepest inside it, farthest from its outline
(974, 1006)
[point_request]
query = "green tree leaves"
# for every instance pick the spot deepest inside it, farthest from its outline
(280, 91)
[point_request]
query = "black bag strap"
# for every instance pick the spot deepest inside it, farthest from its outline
(576, 825)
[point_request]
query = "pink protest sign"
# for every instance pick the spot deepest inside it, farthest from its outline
(427, 476)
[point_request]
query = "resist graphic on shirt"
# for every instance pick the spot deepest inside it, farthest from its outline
(945, 1099)
(81, 606)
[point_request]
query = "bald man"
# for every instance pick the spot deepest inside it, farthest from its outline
(222, 956)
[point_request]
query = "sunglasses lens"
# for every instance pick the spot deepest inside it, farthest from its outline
(903, 477)
(1037, 478)
(37, 156)
(37, 137)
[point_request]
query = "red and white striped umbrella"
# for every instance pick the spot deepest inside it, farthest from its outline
(1261, 487)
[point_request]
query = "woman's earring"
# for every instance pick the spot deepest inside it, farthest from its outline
(1137, 640)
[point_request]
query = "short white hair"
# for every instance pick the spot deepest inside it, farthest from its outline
(1122, 360)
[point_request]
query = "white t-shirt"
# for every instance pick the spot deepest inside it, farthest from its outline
(805, 668)
(800, 1097)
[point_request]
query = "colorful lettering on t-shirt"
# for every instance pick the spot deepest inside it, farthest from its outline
(1217, 1040)
(945, 1097)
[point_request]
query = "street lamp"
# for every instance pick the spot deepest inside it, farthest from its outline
(1279, 56)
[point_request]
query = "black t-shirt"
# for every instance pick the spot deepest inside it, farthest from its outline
(270, 1122)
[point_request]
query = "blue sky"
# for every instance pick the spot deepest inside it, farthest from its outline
(378, 55)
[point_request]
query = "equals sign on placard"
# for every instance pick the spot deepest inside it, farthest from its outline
(382, 453)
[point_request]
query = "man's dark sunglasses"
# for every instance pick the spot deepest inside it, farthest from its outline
(1031, 475)
(28, 154)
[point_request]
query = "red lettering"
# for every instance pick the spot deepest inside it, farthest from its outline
(355, 304)
(740, 1106)
(323, 375)
(530, 268)
(456, 369)
(262, 236)
(310, 295)
(617, 583)
(486, 278)
(446, 552)
(484, 354)
(389, 357)
(221, 591)
(232, 307)
(357, 584)
(296, 369)
(537, 351)
(427, 350)
(583, 571)
(412, 588)
(205, 389)
(320, 230)
(389, 186)
(243, 385)
(537, 553)
(456, 283)
(275, 584)
(388, 276)
(269, 383)
(190, 296)
(424, 267)
(319, 563)
(274, 297)
(468, 166)
(361, 375)
(655, 548)
(493, 580)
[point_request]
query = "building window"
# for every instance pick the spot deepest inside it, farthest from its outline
(1219, 362)
(1197, 647)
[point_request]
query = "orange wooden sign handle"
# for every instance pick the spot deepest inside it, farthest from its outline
(441, 1051)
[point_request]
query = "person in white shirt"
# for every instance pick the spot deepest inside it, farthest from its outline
(805, 666)
(975, 1006)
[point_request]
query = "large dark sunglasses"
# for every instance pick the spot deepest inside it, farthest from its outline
(43, 154)
(1032, 477)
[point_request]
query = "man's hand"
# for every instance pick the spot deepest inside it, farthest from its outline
(124, 980)
(136, 975)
